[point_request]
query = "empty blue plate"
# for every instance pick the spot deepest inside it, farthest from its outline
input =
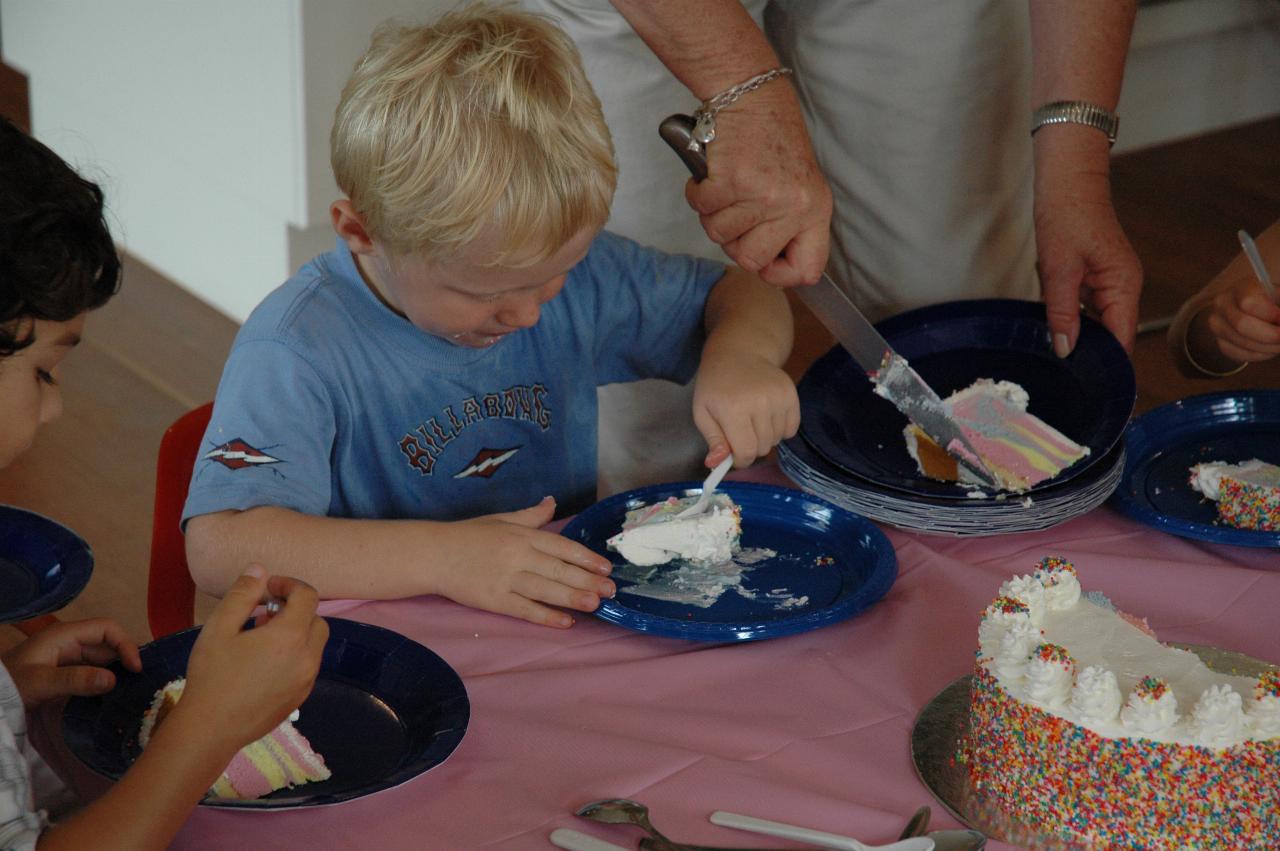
(1166, 442)
(384, 710)
(827, 564)
(43, 565)
(1087, 396)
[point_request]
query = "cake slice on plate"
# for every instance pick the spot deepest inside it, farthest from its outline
(1019, 448)
(652, 534)
(281, 759)
(1247, 494)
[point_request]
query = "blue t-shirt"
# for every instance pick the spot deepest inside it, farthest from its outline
(332, 404)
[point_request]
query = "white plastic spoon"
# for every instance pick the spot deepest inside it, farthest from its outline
(708, 488)
(1255, 260)
(815, 837)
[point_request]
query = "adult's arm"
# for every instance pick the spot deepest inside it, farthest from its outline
(765, 201)
(1079, 50)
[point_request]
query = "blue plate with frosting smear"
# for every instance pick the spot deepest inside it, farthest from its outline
(1164, 443)
(43, 565)
(804, 563)
(1088, 396)
(384, 710)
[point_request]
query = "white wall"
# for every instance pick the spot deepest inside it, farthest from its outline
(208, 122)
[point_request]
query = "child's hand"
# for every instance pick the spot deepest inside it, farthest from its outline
(1243, 322)
(743, 404)
(63, 660)
(245, 682)
(504, 563)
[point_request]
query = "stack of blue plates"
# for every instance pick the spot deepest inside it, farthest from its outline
(850, 449)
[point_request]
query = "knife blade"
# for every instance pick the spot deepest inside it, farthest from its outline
(893, 377)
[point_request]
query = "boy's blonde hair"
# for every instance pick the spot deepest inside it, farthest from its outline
(483, 119)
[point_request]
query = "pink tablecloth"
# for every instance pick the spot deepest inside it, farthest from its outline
(811, 729)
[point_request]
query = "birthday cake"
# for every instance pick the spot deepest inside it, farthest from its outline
(1019, 448)
(282, 758)
(1247, 494)
(653, 534)
(1086, 726)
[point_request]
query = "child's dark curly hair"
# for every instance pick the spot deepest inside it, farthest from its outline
(57, 259)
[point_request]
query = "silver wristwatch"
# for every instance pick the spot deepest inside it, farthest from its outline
(1076, 112)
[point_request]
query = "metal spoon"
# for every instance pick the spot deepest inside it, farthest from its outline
(708, 488)
(625, 811)
(917, 824)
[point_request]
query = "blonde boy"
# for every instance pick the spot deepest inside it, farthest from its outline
(441, 364)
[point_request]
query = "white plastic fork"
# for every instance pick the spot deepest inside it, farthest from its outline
(1255, 260)
(708, 488)
(816, 837)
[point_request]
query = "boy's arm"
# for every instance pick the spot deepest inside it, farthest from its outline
(500, 562)
(743, 401)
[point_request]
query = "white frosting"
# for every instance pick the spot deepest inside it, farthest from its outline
(1030, 591)
(1048, 682)
(1218, 717)
(1096, 696)
(707, 538)
(1264, 717)
(1061, 588)
(1015, 647)
(1207, 478)
(1111, 657)
(1146, 714)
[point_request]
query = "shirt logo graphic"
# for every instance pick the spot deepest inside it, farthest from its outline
(487, 462)
(236, 455)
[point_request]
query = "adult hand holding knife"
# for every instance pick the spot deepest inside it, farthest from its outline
(894, 378)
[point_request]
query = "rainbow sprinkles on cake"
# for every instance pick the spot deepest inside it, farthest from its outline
(281, 759)
(1019, 448)
(1084, 725)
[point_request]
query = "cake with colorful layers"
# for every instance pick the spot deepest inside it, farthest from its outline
(653, 534)
(1019, 448)
(1085, 726)
(1247, 494)
(281, 759)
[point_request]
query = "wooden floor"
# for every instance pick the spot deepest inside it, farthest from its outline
(154, 351)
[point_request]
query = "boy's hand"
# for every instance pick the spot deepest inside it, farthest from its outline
(245, 682)
(743, 404)
(504, 563)
(63, 660)
(1243, 321)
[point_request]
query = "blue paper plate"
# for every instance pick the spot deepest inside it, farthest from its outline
(829, 564)
(1088, 396)
(384, 710)
(43, 565)
(1165, 443)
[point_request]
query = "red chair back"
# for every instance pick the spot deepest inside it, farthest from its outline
(171, 593)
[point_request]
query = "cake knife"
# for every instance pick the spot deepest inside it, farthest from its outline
(893, 377)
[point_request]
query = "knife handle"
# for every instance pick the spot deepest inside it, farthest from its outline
(677, 131)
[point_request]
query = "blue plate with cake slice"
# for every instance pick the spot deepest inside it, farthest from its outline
(1165, 443)
(1087, 396)
(801, 563)
(384, 710)
(43, 565)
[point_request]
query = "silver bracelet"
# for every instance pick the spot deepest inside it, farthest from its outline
(704, 128)
(1077, 112)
